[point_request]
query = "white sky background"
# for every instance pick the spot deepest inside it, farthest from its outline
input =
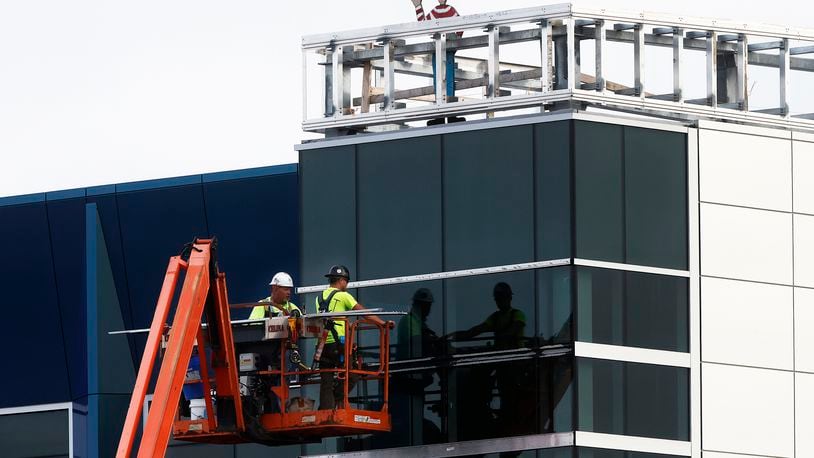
(97, 92)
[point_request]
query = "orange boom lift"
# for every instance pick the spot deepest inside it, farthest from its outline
(243, 404)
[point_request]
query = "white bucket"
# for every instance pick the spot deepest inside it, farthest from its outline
(197, 409)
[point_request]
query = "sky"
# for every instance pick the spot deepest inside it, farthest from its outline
(96, 91)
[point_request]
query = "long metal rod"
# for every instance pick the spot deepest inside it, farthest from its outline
(444, 275)
(742, 62)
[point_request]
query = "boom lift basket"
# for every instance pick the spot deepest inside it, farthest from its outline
(253, 405)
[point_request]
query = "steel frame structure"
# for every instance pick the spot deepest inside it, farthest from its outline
(729, 48)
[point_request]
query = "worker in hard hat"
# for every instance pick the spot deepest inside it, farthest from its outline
(335, 298)
(507, 323)
(442, 11)
(278, 303)
(513, 380)
(415, 338)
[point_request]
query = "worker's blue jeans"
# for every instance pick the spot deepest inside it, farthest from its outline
(450, 72)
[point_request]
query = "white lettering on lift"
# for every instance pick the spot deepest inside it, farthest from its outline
(366, 419)
(309, 419)
(196, 427)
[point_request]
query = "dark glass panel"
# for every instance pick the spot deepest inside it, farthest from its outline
(328, 199)
(633, 399)
(656, 198)
(598, 184)
(552, 177)
(35, 434)
(488, 198)
(632, 309)
(473, 311)
(399, 203)
(554, 303)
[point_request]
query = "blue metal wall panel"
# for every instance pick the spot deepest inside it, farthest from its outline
(31, 327)
(155, 225)
(67, 230)
(256, 223)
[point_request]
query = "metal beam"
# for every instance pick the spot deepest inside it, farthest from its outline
(440, 68)
(638, 59)
(389, 76)
(785, 65)
(600, 44)
(546, 56)
(712, 68)
(493, 83)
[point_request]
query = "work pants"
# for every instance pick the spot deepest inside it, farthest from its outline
(331, 388)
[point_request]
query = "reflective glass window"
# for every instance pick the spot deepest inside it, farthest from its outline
(633, 399)
(554, 303)
(632, 309)
(655, 198)
(491, 312)
(328, 206)
(599, 199)
(399, 204)
(35, 434)
(488, 198)
(552, 179)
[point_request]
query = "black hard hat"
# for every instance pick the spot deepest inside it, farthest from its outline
(502, 290)
(338, 271)
(422, 295)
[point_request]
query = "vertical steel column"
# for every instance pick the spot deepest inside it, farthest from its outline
(546, 56)
(493, 82)
(389, 75)
(440, 68)
(742, 62)
(678, 63)
(571, 65)
(599, 39)
(329, 83)
(304, 89)
(785, 63)
(338, 71)
(638, 59)
(712, 68)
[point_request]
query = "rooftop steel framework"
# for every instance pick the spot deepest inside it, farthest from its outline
(556, 31)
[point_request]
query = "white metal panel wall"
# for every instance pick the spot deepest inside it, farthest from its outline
(803, 177)
(746, 170)
(747, 410)
(746, 244)
(804, 397)
(747, 323)
(803, 335)
(756, 210)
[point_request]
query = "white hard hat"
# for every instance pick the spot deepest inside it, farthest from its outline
(282, 279)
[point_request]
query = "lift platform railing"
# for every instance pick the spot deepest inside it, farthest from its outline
(384, 76)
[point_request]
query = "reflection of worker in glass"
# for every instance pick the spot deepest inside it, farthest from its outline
(415, 338)
(507, 323)
(514, 381)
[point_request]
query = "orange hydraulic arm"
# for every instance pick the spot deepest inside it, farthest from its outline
(203, 294)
